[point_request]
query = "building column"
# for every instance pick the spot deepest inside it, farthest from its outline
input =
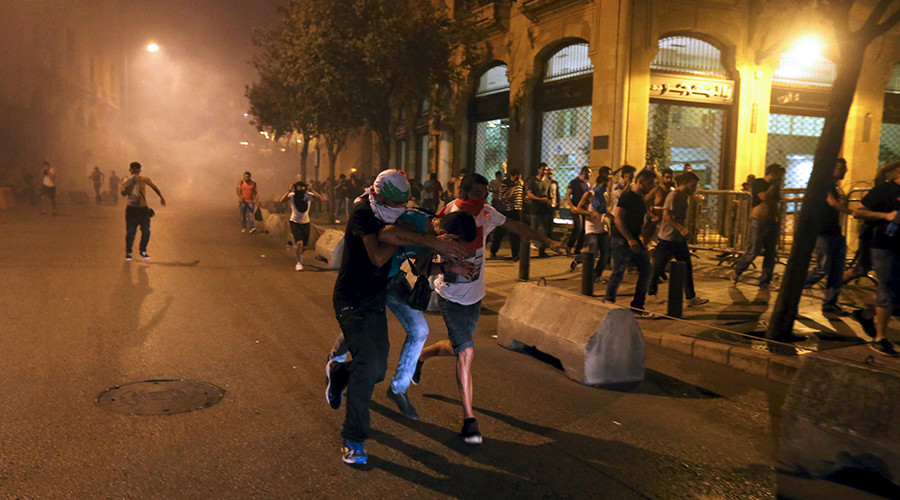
(522, 116)
(611, 99)
(863, 131)
(752, 108)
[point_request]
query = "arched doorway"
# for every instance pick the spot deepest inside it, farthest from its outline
(801, 87)
(691, 94)
(564, 103)
(489, 122)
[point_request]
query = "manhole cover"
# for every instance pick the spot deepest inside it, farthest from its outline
(160, 397)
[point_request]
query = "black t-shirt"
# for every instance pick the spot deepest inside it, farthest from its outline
(831, 217)
(883, 198)
(635, 210)
(359, 281)
(578, 186)
(760, 185)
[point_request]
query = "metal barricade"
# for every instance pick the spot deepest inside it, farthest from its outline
(719, 220)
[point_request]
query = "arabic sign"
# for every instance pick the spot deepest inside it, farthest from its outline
(685, 88)
(787, 99)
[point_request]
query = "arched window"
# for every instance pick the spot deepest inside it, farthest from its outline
(493, 81)
(568, 62)
(690, 95)
(489, 122)
(689, 56)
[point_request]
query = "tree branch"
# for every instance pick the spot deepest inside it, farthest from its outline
(888, 23)
(875, 16)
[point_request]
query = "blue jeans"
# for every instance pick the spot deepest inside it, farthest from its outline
(622, 255)
(666, 251)
(831, 252)
(763, 238)
(542, 223)
(413, 322)
(461, 322)
(247, 211)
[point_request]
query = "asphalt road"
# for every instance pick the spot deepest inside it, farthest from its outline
(227, 308)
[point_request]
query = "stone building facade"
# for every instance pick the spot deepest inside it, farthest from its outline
(725, 85)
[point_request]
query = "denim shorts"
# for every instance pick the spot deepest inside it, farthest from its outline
(887, 270)
(461, 322)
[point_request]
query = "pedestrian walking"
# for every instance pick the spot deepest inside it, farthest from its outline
(512, 195)
(431, 193)
(96, 178)
(625, 242)
(248, 194)
(592, 208)
(831, 247)
(48, 188)
(360, 293)
(673, 235)
(137, 211)
(459, 296)
(300, 197)
(764, 225)
(574, 193)
(341, 187)
(540, 205)
(881, 207)
(114, 184)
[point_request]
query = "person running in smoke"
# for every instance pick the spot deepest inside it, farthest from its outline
(114, 183)
(137, 212)
(360, 293)
(300, 196)
(48, 188)
(249, 197)
(96, 178)
(459, 296)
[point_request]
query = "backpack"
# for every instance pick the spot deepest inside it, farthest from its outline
(598, 201)
(300, 201)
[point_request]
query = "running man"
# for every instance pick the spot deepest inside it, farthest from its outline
(300, 195)
(137, 212)
(459, 297)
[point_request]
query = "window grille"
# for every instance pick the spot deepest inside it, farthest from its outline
(893, 86)
(491, 138)
(686, 134)
(568, 62)
(493, 81)
(816, 71)
(686, 55)
(792, 142)
(566, 143)
(889, 145)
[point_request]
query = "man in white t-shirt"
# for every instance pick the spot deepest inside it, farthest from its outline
(299, 197)
(459, 297)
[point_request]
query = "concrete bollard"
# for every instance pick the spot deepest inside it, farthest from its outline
(596, 343)
(330, 246)
(840, 419)
(677, 272)
(587, 273)
(524, 258)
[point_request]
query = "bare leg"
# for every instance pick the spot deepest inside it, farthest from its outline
(298, 248)
(464, 380)
(441, 348)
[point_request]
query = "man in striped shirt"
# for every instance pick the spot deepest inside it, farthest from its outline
(509, 203)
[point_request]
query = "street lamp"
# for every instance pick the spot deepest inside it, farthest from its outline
(152, 47)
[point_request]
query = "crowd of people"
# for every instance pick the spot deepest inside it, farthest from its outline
(623, 218)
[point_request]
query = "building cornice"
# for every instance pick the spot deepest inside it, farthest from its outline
(535, 10)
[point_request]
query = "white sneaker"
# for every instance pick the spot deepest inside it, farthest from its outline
(252, 230)
(697, 301)
(298, 267)
(243, 230)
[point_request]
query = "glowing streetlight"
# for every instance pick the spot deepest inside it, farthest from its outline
(806, 52)
(153, 47)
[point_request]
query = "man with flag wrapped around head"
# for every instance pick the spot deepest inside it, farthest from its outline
(360, 290)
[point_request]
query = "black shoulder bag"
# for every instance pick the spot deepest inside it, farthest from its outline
(420, 295)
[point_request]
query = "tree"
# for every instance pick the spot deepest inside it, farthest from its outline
(850, 48)
(360, 58)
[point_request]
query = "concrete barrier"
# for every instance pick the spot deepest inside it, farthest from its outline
(329, 247)
(840, 420)
(596, 343)
(276, 224)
